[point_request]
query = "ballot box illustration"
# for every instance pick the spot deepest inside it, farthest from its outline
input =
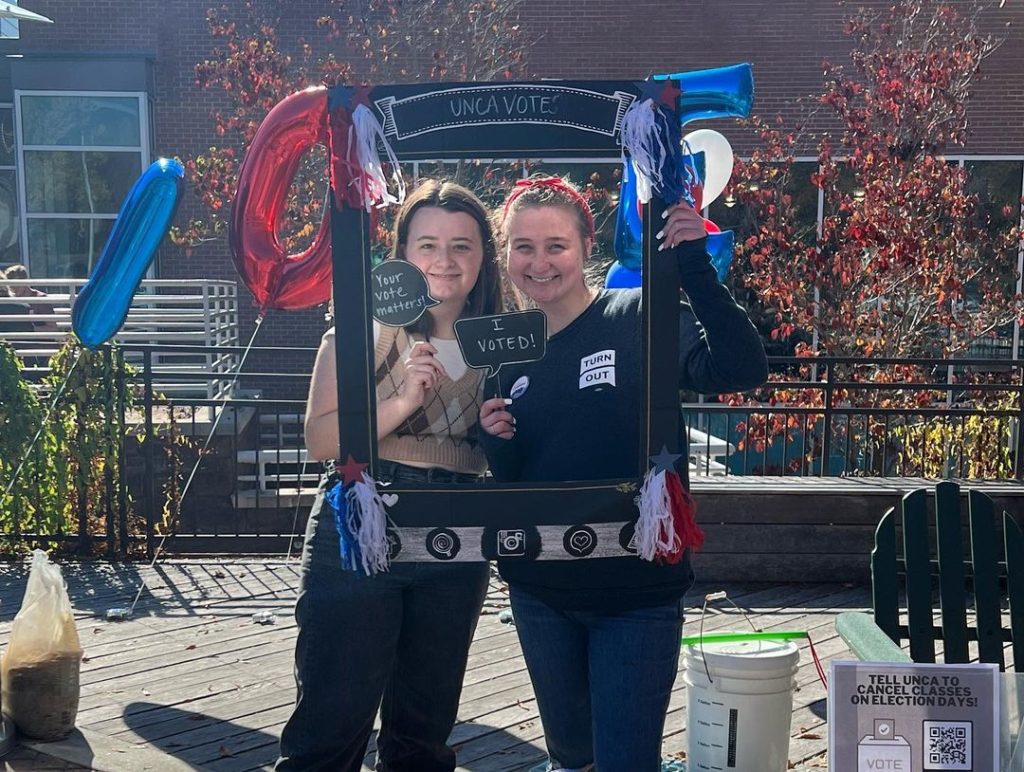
(884, 749)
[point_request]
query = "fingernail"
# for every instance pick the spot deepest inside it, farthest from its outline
(660, 234)
(664, 214)
(507, 401)
(513, 420)
(661, 247)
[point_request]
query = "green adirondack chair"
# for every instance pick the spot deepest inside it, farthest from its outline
(993, 575)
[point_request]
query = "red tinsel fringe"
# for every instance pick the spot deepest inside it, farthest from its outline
(346, 174)
(684, 511)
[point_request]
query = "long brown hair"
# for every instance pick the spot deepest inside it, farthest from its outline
(485, 297)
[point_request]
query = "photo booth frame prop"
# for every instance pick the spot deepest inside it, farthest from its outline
(552, 520)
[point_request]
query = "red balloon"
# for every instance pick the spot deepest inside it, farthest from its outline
(710, 227)
(275, 278)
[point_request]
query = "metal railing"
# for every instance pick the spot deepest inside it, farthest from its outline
(255, 473)
(841, 416)
(196, 312)
(825, 417)
(249, 482)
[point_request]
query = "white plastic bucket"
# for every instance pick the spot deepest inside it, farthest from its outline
(739, 720)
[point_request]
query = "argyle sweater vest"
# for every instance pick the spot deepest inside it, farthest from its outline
(443, 431)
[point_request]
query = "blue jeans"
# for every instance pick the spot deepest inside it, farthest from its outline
(602, 680)
(397, 641)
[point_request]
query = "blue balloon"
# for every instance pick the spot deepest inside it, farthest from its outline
(720, 248)
(628, 225)
(722, 92)
(694, 173)
(621, 277)
(145, 217)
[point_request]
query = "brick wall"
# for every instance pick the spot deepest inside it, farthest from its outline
(786, 40)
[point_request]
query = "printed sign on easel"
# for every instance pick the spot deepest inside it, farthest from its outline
(913, 718)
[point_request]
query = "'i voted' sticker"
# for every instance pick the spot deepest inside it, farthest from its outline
(520, 386)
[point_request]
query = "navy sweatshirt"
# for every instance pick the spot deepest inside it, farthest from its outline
(579, 418)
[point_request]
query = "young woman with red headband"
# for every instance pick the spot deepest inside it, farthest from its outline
(600, 635)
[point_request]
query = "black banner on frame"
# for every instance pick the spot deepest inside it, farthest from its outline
(501, 120)
(537, 104)
(584, 519)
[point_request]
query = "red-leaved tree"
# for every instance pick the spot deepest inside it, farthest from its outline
(907, 262)
(355, 41)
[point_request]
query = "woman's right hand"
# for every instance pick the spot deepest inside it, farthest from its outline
(496, 420)
(422, 371)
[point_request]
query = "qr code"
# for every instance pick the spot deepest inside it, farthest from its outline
(947, 745)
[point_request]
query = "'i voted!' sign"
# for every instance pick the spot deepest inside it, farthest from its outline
(488, 342)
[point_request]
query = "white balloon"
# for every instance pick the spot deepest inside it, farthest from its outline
(717, 160)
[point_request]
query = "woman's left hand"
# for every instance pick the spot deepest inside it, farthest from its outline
(495, 418)
(682, 223)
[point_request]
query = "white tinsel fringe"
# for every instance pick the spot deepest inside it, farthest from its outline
(366, 518)
(655, 530)
(642, 142)
(368, 132)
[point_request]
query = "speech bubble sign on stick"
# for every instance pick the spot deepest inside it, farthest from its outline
(400, 292)
(489, 342)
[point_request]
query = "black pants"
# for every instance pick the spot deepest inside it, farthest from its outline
(397, 641)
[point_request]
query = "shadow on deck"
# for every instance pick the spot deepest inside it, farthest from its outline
(192, 683)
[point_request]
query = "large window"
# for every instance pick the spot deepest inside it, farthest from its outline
(10, 230)
(10, 28)
(79, 154)
(999, 183)
(729, 214)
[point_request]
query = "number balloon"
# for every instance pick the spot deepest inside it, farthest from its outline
(145, 217)
(718, 160)
(276, 278)
(722, 92)
(619, 276)
(720, 250)
(628, 225)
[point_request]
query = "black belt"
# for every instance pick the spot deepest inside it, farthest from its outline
(394, 471)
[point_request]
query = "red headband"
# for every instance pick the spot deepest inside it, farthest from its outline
(555, 183)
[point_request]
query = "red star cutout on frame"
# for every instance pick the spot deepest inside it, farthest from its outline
(351, 471)
(670, 94)
(361, 96)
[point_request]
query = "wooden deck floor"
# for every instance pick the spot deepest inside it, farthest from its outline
(192, 683)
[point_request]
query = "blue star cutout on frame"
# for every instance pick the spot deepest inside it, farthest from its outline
(665, 461)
